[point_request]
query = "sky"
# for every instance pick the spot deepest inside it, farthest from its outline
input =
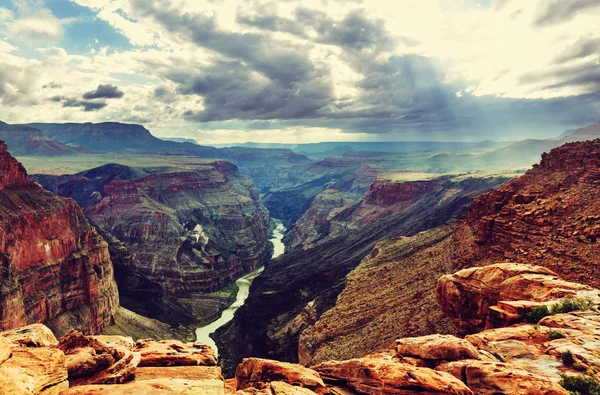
(224, 71)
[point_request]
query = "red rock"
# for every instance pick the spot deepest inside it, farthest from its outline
(436, 347)
(59, 271)
(153, 387)
(35, 335)
(174, 353)
(33, 371)
(377, 375)
(502, 293)
(254, 371)
(90, 361)
(179, 372)
(490, 378)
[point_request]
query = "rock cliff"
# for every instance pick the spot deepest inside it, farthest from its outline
(56, 268)
(334, 213)
(556, 356)
(296, 289)
(548, 217)
(189, 230)
(172, 232)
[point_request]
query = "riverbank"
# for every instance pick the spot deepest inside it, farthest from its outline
(243, 284)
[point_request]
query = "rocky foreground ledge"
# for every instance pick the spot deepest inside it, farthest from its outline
(541, 336)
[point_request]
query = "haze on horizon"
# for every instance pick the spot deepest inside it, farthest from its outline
(305, 71)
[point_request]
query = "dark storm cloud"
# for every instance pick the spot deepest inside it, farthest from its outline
(104, 92)
(558, 11)
(580, 49)
(232, 91)
(257, 81)
(72, 102)
(354, 31)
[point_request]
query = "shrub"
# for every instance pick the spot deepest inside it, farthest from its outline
(580, 385)
(567, 357)
(556, 334)
(571, 304)
(537, 313)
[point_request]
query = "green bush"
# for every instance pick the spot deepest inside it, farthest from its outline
(580, 385)
(567, 357)
(537, 313)
(571, 304)
(556, 334)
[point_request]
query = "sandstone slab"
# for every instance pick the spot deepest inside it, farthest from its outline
(174, 353)
(254, 371)
(153, 387)
(437, 347)
(491, 378)
(32, 371)
(35, 335)
(376, 375)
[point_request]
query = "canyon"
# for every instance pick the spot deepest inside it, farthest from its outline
(389, 275)
(56, 268)
(510, 356)
(175, 234)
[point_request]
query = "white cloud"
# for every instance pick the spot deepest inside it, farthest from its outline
(36, 26)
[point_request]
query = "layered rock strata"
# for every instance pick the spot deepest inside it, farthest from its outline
(177, 231)
(55, 267)
(520, 359)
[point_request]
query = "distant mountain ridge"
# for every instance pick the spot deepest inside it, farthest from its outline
(118, 137)
(24, 140)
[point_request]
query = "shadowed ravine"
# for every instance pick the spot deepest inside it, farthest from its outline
(203, 333)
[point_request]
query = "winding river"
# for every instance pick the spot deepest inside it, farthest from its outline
(203, 333)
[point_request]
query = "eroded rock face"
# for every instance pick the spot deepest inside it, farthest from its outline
(489, 378)
(378, 375)
(180, 231)
(334, 213)
(254, 371)
(174, 353)
(57, 269)
(547, 217)
(501, 294)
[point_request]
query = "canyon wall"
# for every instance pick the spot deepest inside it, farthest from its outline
(334, 213)
(56, 268)
(296, 289)
(185, 231)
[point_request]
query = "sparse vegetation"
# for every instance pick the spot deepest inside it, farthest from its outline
(555, 334)
(536, 314)
(564, 306)
(571, 304)
(580, 385)
(567, 357)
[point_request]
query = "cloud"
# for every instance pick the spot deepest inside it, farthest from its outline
(72, 102)
(560, 11)
(104, 92)
(378, 69)
(36, 26)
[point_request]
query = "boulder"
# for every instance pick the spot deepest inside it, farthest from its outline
(501, 294)
(377, 375)
(116, 341)
(32, 371)
(254, 372)
(437, 347)
(492, 378)
(174, 353)
(35, 335)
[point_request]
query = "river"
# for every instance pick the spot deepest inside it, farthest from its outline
(203, 334)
